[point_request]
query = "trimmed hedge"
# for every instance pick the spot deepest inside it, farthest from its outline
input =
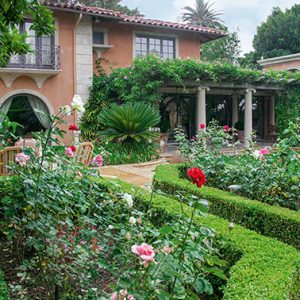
(267, 269)
(272, 221)
(3, 288)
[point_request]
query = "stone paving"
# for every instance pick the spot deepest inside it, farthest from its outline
(137, 174)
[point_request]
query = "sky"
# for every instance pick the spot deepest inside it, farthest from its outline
(244, 15)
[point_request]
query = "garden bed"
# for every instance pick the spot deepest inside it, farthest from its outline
(273, 221)
(267, 269)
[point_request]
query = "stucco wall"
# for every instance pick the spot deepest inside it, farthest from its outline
(59, 89)
(121, 37)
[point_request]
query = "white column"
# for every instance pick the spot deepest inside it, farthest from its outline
(201, 106)
(235, 116)
(272, 111)
(248, 116)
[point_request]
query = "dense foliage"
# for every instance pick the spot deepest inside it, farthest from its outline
(270, 176)
(12, 14)
(143, 81)
(128, 153)
(130, 122)
(268, 220)
(279, 35)
(280, 32)
(75, 239)
(226, 49)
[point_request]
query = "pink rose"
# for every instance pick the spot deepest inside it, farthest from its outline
(22, 159)
(97, 160)
(264, 151)
(226, 128)
(69, 152)
(145, 252)
(202, 126)
(166, 249)
(122, 295)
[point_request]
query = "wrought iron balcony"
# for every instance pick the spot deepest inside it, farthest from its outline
(41, 59)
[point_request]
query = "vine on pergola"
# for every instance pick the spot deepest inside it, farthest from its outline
(144, 80)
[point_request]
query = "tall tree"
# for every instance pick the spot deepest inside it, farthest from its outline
(111, 4)
(279, 34)
(202, 14)
(12, 14)
(226, 49)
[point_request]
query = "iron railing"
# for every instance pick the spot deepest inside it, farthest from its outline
(47, 59)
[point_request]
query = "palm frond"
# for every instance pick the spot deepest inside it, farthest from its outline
(130, 121)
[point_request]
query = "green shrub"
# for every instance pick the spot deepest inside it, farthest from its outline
(3, 288)
(117, 154)
(273, 221)
(130, 122)
(267, 269)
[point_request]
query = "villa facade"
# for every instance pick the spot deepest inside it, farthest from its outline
(63, 65)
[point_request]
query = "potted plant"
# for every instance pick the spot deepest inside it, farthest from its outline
(239, 126)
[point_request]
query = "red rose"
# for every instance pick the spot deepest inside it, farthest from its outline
(226, 128)
(73, 127)
(197, 176)
(73, 148)
(202, 126)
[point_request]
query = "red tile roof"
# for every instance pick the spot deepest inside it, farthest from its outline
(138, 20)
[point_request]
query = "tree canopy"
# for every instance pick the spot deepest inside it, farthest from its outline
(279, 34)
(226, 49)
(12, 14)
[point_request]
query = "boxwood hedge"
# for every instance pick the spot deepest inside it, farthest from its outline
(267, 269)
(272, 221)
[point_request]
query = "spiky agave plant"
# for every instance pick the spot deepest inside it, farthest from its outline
(129, 122)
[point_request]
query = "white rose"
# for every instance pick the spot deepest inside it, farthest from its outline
(77, 103)
(256, 154)
(132, 220)
(128, 199)
(66, 109)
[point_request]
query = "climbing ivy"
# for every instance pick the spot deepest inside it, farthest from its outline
(144, 80)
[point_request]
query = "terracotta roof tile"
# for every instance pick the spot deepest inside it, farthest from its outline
(134, 19)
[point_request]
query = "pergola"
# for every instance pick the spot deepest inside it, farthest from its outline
(204, 88)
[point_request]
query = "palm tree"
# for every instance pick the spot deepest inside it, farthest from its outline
(202, 14)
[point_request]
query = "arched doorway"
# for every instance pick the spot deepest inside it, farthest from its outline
(29, 111)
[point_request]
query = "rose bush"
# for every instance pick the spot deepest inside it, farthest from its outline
(75, 239)
(269, 175)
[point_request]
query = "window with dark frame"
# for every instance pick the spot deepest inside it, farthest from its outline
(42, 49)
(98, 37)
(162, 46)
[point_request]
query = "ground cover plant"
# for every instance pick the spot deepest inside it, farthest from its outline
(270, 175)
(74, 239)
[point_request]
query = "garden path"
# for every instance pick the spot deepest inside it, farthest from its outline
(137, 174)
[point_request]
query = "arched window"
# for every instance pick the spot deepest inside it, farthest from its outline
(27, 110)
